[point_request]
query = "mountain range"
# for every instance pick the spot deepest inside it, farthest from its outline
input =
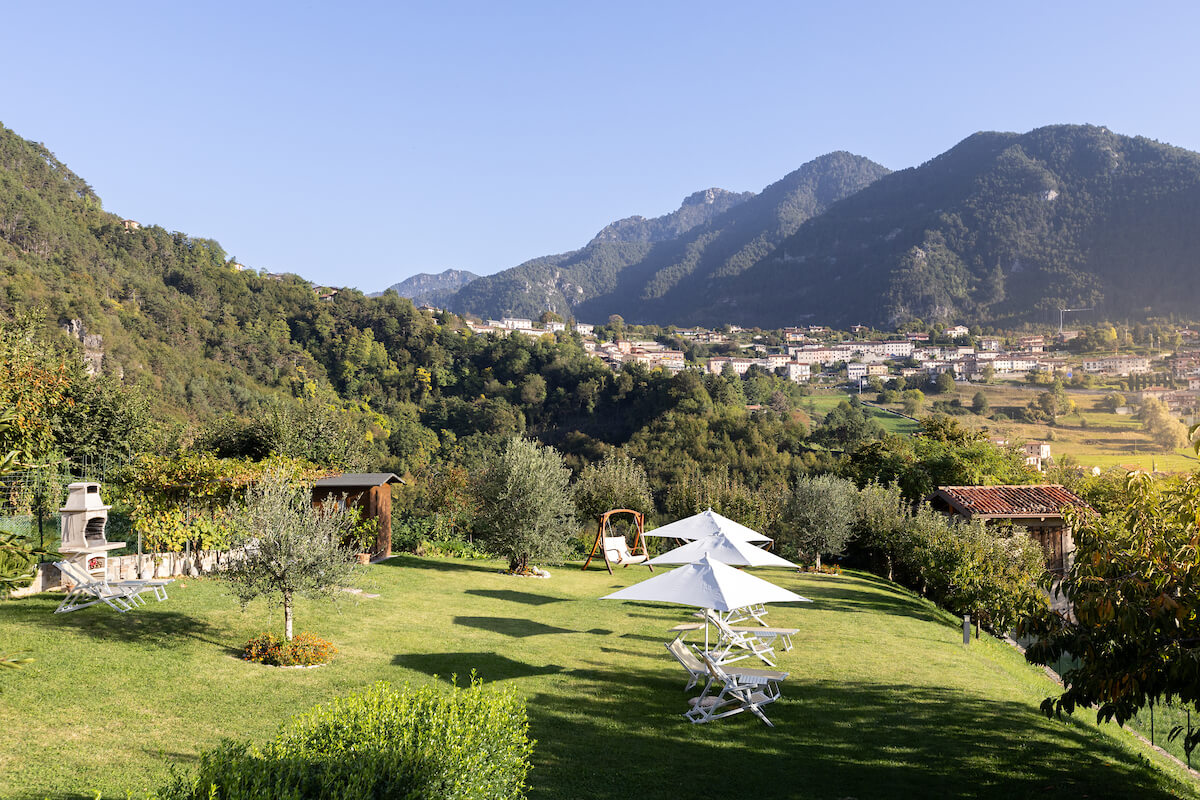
(1002, 228)
(433, 289)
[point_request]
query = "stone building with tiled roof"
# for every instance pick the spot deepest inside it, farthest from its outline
(1038, 508)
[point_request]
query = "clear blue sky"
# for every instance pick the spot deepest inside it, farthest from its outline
(359, 143)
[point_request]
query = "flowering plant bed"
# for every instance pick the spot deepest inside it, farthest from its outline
(304, 650)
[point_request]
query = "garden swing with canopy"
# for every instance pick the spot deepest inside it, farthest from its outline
(612, 545)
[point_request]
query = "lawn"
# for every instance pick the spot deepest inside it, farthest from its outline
(883, 699)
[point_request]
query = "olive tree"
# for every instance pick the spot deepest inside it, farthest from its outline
(819, 517)
(526, 510)
(290, 548)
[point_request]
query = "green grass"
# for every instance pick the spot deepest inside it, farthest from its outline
(818, 405)
(883, 699)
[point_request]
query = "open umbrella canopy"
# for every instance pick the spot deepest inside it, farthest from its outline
(730, 551)
(707, 584)
(707, 523)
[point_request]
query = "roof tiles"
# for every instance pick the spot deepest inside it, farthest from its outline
(1040, 500)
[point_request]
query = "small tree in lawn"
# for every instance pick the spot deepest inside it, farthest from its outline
(820, 515)
(291, 548)
(526, 508)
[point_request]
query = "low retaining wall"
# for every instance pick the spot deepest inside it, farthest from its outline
(148, 565)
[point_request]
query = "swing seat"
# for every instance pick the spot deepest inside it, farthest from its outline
(614, 549)
(617, 551)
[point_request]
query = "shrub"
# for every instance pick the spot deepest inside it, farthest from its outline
(423, 742)
(304, 650)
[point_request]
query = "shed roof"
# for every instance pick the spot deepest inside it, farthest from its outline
(358, 480)
(1043, 500)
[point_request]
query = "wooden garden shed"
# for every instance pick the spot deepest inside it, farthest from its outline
(370, 491)
(1038, 508)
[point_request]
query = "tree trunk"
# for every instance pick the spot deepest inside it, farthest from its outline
(889, 567)
(818, 562)
(287, 616)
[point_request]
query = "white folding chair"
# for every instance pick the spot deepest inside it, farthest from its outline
(688, 660)
(729, 641)
(741, 690)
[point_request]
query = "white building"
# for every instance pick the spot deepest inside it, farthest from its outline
(798, 372)
(516, 323)
(1117, 365)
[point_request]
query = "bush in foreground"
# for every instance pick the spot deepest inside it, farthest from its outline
(416, 743)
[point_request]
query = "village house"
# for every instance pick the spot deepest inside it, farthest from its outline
(798, 372)
(584, 328)
(957, 330)
(991, 343)
(1033, 344)
(1037, 455)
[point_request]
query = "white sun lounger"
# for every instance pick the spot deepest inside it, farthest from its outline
(121, 596)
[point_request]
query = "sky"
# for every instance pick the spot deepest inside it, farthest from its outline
(359, 143)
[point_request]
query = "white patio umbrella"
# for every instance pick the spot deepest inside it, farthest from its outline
(707, 584)
(707, 523)
(730, 551)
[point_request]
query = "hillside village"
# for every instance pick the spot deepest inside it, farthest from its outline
(818, 354)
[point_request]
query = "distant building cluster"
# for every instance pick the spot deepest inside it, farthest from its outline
(652, 355)
(508, 325)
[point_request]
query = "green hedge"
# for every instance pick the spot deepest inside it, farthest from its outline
(417, 743)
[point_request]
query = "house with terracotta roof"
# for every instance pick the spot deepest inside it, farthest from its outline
(1038, 508)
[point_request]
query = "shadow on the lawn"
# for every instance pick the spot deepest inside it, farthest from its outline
(152, 624)
(488, 666)
(512, 626)
(516, 597)
(437, 564)
(830, 741)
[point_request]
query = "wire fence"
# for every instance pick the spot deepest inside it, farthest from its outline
(30, 499)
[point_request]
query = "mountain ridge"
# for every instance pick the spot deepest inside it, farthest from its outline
(611, 275)
(1002, 228)
(433, 288)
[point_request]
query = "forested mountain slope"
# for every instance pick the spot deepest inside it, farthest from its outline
(660, 269)
(236, 363)
(1003, 227)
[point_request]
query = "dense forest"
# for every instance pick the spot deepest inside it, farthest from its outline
(1003, 228)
